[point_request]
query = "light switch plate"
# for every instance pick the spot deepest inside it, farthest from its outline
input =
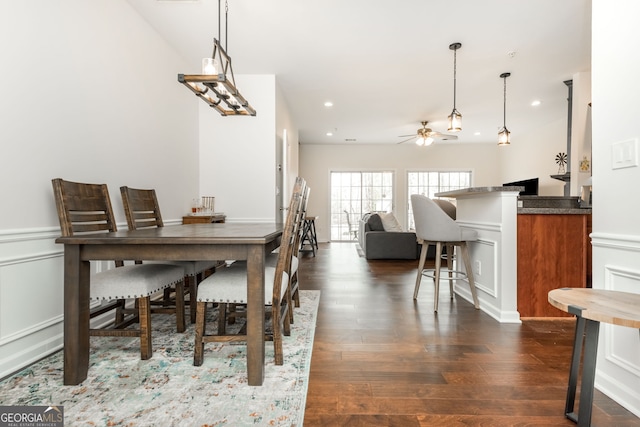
(624, 154)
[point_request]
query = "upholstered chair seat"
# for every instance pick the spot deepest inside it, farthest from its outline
(134, 281)
(229, 286)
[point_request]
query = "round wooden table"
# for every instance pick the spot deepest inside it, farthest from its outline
(591, 306)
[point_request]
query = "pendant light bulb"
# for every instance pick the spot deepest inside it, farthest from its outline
(504, 136)
(209, 66)
(455, 121)
(455, 118)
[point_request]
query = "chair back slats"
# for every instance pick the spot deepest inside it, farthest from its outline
(83, 227)
(141, 208)
(83, 208)
(87, 217)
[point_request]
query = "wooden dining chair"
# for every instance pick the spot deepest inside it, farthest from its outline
(294, 300)
(86, 208)
(229, 285)
(142, 210)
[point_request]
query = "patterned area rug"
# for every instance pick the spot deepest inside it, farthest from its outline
(167, 390)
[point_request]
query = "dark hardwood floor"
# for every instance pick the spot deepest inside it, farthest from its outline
(379, 359)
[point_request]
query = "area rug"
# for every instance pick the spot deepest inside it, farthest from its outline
(167, 390)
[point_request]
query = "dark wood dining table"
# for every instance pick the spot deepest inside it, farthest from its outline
(193, 242)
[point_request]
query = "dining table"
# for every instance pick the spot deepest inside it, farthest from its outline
(190, 242)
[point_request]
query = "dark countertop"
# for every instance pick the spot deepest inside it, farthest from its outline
(554, 211)
(551, 205)
(477, 190)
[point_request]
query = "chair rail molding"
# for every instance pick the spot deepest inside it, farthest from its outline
(616, 241)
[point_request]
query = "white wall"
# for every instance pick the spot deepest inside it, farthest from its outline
(616, 229)
(532, 155)
(89, 93)
(285, 125)
(238, 154)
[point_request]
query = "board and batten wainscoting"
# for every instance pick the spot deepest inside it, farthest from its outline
(30, 296)
(618, 366)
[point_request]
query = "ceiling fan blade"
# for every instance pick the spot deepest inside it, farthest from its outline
(408, 139)
(443, 136)
(406, 136)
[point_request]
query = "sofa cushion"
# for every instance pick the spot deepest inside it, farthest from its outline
(391, 245)
(375, 223)
(390, 222)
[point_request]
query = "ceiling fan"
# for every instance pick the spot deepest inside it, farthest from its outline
(426, 136)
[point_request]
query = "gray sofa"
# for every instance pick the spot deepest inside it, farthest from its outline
(376, 243)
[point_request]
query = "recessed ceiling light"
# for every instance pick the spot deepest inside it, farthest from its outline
(329, 133)
(328, 104)
(536, 102)
(476, 133)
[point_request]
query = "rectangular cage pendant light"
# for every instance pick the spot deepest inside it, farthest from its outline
(217, 86)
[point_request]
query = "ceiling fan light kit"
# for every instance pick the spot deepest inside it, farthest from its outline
(217, 85)
(425, 136)
(424, 141)
(504, 136)
(455, 118)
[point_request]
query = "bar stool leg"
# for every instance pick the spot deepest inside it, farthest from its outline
(450, 255)
(423, 257)
(467, 265)
(437, 275)
(313, 233)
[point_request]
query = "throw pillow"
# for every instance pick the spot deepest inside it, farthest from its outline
(375, 223)
(390, 222)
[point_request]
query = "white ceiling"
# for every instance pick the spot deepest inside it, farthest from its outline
(386, 65)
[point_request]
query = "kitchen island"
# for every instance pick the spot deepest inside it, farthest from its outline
(492, 212)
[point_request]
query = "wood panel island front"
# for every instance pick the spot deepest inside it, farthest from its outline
(554, 251)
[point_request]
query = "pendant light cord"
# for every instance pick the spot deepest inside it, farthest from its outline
(226, 23)
(455, 51)
(504, 108)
